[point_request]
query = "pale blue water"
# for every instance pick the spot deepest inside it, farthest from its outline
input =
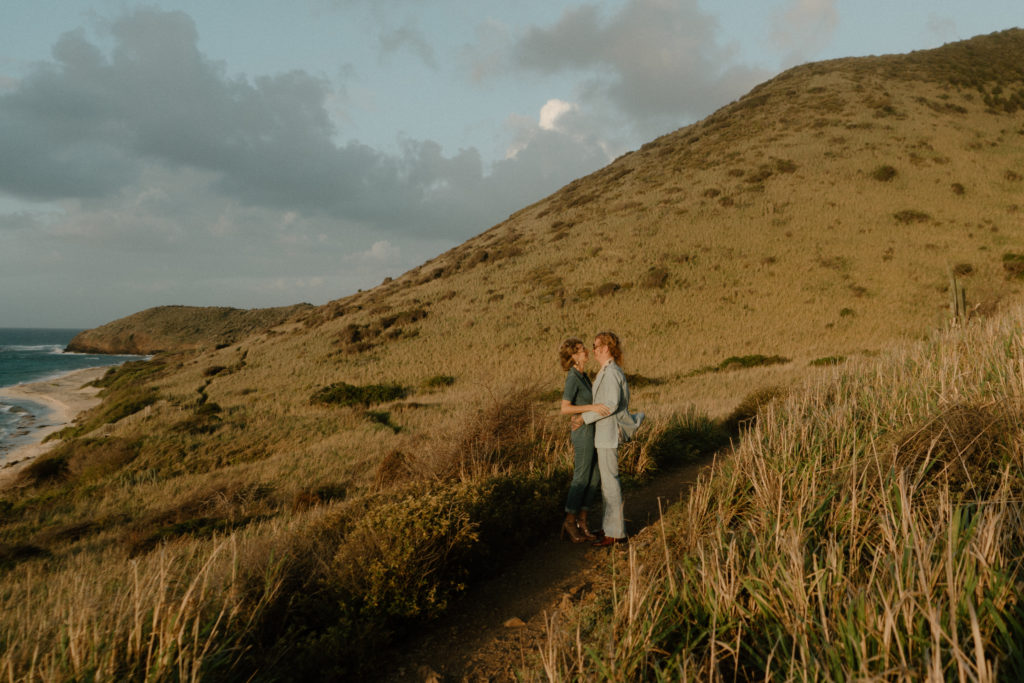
(31, 355)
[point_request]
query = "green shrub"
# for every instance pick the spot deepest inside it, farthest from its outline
(45, 469)
(119, 404)
(884, 173)
(655, 278)
(751, 361)
(401, 563)
(689, 436)
(911, 216)
(1013, 264)
(438, 381)
(383, 418)
(344, 394)
(827, 360)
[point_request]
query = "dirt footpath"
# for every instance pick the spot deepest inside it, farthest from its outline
(491, 630)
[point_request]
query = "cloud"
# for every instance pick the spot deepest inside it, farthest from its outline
(149, 171)
(409, 38)
(804, 28)
(90, 126)
(655, 61)
(553, 110)
(381, 250)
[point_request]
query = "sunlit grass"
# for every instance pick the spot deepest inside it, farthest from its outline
(868, 526)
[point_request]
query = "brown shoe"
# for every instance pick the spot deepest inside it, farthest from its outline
(588, 535)
(573, 531)
(607, 541)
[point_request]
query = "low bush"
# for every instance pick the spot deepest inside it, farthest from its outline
(884, 173)
(438, 381)
(382, 418)
(751, 361)
(401, 564)
(344, 394)
(119, 404)
(655, 278)
(911, 216)
(827, 360)
(688, 436)
(1013, 264)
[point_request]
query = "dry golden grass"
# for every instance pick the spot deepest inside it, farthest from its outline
(868, 527)
(761, 230)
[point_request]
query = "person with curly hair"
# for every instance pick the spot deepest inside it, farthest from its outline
(586, 481)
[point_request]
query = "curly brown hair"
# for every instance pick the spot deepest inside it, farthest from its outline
(566, 351)
(611, 340)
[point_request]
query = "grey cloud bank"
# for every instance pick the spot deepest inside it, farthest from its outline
(138, 163)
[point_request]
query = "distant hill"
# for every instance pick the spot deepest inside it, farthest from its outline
(179, 328)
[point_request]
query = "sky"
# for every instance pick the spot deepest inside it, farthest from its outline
(265, 153)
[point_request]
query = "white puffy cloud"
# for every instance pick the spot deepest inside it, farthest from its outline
(655, 62)
(553, 110)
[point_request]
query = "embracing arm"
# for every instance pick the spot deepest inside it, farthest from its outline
(608, 396)
(569, 409)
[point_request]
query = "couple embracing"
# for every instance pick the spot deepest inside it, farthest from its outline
(600, 422)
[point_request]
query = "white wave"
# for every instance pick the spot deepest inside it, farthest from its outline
(47, 348)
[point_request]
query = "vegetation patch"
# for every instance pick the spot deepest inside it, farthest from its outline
(688, 436)
(744, 415)
(884, 173)
(13, 553)
(655, 278)
(344, 394)
(1013, 264)
(438, 381)
(751, 361)
(382, 418)
(356, 338)
(739, 363)
(907, 216)
(827, 360)
(402, 563)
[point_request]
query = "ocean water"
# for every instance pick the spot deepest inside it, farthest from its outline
(31, 355)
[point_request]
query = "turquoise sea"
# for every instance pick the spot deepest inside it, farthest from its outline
(31, 355)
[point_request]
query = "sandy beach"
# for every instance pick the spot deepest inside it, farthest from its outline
(65, 396)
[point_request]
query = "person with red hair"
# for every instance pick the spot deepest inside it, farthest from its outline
(611, 391)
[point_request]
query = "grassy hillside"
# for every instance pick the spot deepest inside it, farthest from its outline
(294, 497)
